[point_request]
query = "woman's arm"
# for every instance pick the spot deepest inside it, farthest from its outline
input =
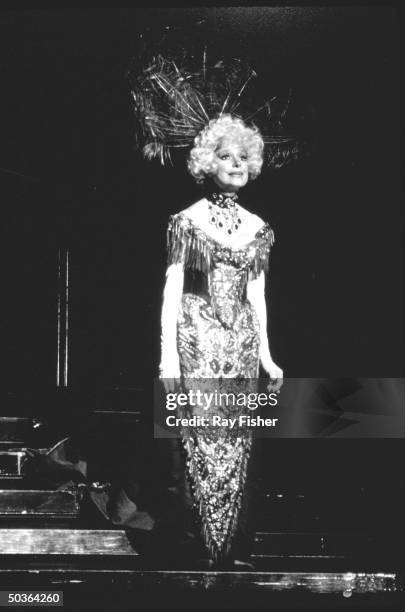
(169, 362)
(256, 296)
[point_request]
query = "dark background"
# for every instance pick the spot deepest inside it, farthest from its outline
(71, 179)
(66, 121)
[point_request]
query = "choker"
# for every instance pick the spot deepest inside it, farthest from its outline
(223, 200)
(223, 212)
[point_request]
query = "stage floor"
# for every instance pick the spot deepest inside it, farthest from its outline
(96, 582)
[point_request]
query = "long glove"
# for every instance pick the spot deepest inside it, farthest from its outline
(169, 364)
(256, 296)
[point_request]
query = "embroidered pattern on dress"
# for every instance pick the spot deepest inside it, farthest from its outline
(217, 338)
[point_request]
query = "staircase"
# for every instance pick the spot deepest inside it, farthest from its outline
(42, 521)
(48, 537)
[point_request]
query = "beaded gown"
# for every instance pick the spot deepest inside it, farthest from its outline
(217, 340)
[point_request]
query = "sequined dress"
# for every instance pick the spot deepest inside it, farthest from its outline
(217, 338)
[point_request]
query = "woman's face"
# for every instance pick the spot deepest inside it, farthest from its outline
(231, 161)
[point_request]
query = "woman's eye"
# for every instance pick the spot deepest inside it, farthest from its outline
(243, 157)
(224, 156)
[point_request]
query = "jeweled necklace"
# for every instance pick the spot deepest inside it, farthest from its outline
(224, 212)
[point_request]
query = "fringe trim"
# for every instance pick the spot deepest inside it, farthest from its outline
(191, 246)
(188, 246)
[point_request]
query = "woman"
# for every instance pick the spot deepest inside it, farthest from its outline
(214, 321)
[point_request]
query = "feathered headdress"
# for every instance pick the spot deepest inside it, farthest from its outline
(175, 98)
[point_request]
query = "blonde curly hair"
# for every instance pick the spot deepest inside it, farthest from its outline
(201, 162)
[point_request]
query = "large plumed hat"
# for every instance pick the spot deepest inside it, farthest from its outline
(175, 95)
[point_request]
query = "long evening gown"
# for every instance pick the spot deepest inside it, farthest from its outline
(217, 338)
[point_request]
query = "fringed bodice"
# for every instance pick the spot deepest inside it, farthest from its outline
(226, 269)
(191, 246)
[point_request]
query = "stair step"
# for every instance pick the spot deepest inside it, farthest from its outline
(311, 543)
(65, 542)
(11, 463)
(325, 547)
(39, 503)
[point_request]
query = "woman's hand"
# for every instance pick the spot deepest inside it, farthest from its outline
(170, 374)
(275, 374)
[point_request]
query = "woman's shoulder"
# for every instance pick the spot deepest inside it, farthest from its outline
(186, 241)
(260, 228)
(189, 218)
